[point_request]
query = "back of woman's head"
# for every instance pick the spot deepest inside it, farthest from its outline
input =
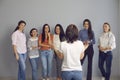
(71, 33)
(20, 22)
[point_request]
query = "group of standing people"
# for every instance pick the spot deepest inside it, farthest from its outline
(69, 49)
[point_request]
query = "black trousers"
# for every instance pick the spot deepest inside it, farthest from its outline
(89, 52)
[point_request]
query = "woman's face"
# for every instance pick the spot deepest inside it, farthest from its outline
(57, 30)
(46, 29)
(21, 26)
(106, 28)
(86, 25)
(34, 33)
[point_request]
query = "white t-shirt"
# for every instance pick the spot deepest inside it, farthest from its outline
(72, 52)
(19, 39)
(56, 42)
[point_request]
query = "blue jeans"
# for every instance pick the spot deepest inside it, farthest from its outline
(22, 66)
(71, 75)
(46, 58)
(34, 65)
(105, 57)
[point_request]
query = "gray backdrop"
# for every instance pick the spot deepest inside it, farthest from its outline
(119, 34)
(38, 12)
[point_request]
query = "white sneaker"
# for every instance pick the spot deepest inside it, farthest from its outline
(103, 78)
(48, 79)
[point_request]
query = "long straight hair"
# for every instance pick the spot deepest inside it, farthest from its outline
(90, 33)
(20, 22)
(62, 34)
(43, 32)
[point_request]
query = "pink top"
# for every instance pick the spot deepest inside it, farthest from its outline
(19, 39)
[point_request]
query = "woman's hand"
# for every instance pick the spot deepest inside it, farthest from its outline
(15, 52)
(82, 55)
(49, 35)
(52, 46)
(34, 47)
(108, 48)
(103, 49)
(100, 48)
(17, 56)
(86, 42)
(86, 45)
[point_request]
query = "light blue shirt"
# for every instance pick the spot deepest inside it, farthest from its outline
(83, 36)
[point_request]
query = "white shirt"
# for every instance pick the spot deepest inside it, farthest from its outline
(107, 40)
(72, 52)
(56, 42)
(19, 39)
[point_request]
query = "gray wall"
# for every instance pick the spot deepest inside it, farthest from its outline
(119, 34)
(38, 12)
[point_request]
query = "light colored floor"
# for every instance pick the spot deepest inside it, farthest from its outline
(94, 78)
(54, 79)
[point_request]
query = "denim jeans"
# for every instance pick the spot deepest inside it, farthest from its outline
(34, 65)
(46, 59)
(105, 57)
(22, 66)
(71, 75)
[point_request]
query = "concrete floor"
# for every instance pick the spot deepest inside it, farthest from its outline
(94, 78)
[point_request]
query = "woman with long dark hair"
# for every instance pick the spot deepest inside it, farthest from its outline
(58, 37)
(46, 43)
(106, 45)
(19, 48)
(86, 35)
